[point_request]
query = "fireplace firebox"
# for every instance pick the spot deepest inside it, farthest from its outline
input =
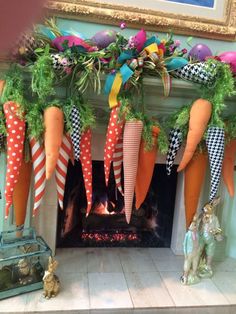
(150, 225)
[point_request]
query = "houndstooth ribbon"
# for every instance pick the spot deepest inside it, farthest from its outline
(76, 131)
(215, 146)
(175, 142)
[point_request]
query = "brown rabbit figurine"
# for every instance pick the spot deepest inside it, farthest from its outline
(51, 284)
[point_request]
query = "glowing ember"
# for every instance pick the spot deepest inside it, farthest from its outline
(102, 209)
(108, 237)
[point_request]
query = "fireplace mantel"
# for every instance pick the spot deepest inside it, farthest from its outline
(157, 105)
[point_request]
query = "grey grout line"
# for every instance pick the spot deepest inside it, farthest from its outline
(89, 297)
(125, 278)
(218, 287)
(168, 290)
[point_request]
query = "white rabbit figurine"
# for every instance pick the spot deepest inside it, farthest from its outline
(51, 284)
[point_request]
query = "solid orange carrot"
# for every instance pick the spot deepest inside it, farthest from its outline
(145, 168)
(200, 114)
(228, 166)
(54, 125)
(21, 192)
(2, 83)
(194, 176)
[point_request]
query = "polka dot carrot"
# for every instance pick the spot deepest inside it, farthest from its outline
(114, 131)
(86, 162)
(15, 143)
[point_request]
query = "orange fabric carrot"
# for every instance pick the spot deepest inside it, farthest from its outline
(21, 192)
(54, 125)
(131, 145)
(200, 114)
(2, 84)
(228, 166)
(15, 126)
(145, 168)
(194, 175)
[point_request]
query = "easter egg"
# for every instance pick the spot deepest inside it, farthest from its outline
(71, 41)
(200, 52)
(230, 58)
(102, 39)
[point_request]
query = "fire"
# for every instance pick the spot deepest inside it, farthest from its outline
(102, 209)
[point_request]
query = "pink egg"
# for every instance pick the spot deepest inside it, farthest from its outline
(72, 41)
(230, 58)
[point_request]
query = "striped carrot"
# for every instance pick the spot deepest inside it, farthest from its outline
(131, 144)
(39, 167)
(117, 163)
(61, 167)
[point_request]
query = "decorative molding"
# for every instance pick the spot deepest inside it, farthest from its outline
(96, 11)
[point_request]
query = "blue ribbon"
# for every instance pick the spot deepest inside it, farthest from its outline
(46, 32)
(124, 56)
(152, 40)
(126, 73)
(109, 82)
(175, 63)
(71, 33)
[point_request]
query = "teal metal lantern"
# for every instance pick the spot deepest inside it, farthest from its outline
(23, 260)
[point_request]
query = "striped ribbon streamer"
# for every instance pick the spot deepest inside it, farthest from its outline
(61, 167)
(39, 162)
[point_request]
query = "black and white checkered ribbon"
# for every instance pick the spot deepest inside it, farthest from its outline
(215, 146)
(200, 72)
(59, 62)
(75, 120)
(175, 142)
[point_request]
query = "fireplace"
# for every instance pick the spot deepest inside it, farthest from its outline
(157, 106)
(150, 226)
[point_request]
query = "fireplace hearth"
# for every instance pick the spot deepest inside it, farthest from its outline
(150, 226)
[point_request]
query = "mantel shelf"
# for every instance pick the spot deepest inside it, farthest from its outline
(156, 104)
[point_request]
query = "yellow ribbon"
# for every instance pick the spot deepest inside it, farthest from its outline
(151, 48)
(115, 90)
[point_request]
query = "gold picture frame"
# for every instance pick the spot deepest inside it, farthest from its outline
(107, 12)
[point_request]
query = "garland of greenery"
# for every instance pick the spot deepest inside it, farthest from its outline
(222, 88)
(230, 128)
(34, 118)
(83, 69)
(86, 113)
(128, 112)
(14, 89)
(43, 76)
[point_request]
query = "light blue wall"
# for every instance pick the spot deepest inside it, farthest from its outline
(89, 29)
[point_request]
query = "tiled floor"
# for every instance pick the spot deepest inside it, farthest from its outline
(125, 281)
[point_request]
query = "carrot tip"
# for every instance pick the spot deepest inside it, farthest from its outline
(180, 168)
(6, 217)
